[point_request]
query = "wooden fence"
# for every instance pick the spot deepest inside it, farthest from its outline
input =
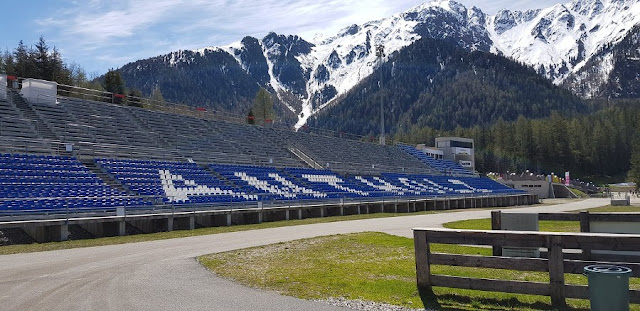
(555, 264)
(585, 219)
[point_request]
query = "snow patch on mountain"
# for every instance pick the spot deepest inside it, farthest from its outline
(344, 60)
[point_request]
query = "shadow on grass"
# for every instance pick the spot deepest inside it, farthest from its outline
(452, 302)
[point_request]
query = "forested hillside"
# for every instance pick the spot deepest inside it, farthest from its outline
(598, 144)
(210, 79)
(440, 85)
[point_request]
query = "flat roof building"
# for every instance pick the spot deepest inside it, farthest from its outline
(458, 150)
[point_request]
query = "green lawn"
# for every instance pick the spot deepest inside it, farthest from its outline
(544, 225)
(615, 209)
(374, 267)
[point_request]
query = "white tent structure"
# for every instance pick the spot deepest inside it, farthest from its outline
(39, 91)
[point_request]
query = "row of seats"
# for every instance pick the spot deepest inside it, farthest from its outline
(268, 182)
(36, 182)
(174, 182)
(49, 204)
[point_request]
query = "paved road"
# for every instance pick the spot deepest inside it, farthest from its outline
(164, 275)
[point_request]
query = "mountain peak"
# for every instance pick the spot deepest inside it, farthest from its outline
(310, 75)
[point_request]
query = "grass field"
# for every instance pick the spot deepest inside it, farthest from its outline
(615, 209)
(545, 225)
(374, 267)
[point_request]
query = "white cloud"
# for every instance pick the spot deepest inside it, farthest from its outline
(100, 34)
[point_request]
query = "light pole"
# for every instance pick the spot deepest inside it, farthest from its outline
(380, 54)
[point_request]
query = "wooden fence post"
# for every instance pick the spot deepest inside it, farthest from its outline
(496, 224)
(556, 272)
(585, 227)
(584, 222)
(423, 270)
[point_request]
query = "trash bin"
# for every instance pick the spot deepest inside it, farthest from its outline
(608, 287)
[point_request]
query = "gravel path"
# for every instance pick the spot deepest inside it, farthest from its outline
(164, 275)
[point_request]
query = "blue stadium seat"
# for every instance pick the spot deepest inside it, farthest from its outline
(29, 182)
(173, 182)
(36, 182)
(443, 166)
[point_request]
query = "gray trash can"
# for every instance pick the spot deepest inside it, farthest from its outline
(608, 287)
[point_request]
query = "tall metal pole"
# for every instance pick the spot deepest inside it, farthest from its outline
(380, 54)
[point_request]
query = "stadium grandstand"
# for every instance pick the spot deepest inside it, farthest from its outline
(76, 160)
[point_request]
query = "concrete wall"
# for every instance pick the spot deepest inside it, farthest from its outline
(540, 188)
(615, 227)
(57, 229)
(561, 191)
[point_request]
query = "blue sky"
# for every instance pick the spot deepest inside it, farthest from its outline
(103, 34)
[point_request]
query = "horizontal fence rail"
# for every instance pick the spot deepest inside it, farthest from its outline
(556, 264)
(585, 219)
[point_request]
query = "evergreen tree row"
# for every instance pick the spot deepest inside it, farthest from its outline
(596, 145)
(41, 61)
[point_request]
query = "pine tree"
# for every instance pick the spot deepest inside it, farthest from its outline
(263, 107)
(22, 61)
(156, 96)
(251, 119)
(58, 70)
(634, 172)
(42, 62)
(8, 64)
(113, 82)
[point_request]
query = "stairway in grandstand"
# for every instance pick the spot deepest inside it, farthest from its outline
(17, 133)
(55, 183)
(106, 178)
(29, 114)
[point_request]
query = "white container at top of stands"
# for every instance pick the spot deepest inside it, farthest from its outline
(39, 91)
(3, 87)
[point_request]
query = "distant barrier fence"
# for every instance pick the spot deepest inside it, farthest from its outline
(555, 262)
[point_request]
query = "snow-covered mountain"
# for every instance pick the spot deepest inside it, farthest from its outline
(331, 66)
(560, 42)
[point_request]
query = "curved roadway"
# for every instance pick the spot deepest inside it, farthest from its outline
(164, 275)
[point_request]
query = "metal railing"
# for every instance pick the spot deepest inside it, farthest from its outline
(264, 201)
